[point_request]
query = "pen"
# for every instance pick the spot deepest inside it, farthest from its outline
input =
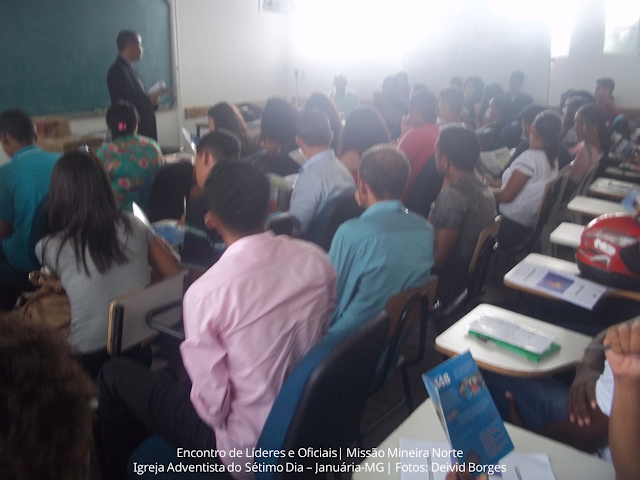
(595, 348)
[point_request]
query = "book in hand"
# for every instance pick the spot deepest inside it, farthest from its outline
(525, 341)
(469, 417)
(495, 161)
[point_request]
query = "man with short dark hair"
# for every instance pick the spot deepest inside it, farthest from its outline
(460, 212)
(519, 100)
(344, 98)
(24, 182)
(124, 83)
(202, 245)
(604, 98)
(450, 105)
(322, 176)
(248, 321)
(420, 137)
(386, 250)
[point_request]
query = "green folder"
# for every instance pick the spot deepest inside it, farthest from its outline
(534, 357)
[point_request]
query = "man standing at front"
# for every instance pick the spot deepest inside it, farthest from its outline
(124, 83)
(24, 182)
(386, 250)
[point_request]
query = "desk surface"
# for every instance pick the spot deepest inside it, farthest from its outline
(568, 268)
(456, 340)
(593, 207)
(566, 462)
(567, 235)
(612, 189)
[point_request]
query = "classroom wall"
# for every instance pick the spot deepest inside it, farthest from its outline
(586, 62)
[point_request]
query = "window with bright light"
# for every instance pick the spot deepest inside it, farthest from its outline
(621, 27)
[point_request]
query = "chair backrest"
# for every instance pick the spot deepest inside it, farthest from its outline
(587, 180)
(317, 231)
(405, 309)
(170, 186)
(322, 401)
(344, 209)
(549, 198)
(127, 314)
(280, 224)
(481, 259)
(425, 189)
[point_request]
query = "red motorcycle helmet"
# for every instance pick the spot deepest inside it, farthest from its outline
(609, 251)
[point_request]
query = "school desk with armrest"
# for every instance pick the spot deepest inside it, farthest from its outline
(128, 325)
(566, 462)
(610, 189)
(456, 340)
(593, 207)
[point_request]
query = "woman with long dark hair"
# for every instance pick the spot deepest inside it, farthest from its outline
(227, 116)
(130, 158)
(524, 182)
(98, 251)
(363, 128)
(593, 135)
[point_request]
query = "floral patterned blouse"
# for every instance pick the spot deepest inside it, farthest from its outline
(129, 161)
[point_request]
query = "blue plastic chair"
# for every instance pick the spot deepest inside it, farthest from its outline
(320, 405)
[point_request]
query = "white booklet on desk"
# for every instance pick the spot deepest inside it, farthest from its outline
(514, 466)
(495, 161)
(567, 287)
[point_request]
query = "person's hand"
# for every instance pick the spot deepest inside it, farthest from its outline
(154, 98)
(624, 354)
(582, 397)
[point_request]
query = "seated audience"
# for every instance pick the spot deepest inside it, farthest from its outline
(472, 90)
(24, 182)
(130, 158)
(278, 136)
(363, 128)
(495, 135)
(322, 176)
(344, 98)
(482, 108)
(420, 138)
(203, 246)
(322, 102)
(528, 115)
(390, 106)
(450, 106)
(624, 418)
(225, 115)
(45, 409)
(523, 184)
(384, 251)
(460, 212)
(604, 98)
(568, 134)
(593, 135)
(237, 353)
(519, 100)
(98, 251)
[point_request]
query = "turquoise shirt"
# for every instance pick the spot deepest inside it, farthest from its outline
(24, 181)
(385, 251)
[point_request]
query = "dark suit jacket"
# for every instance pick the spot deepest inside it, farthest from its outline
(125, 84)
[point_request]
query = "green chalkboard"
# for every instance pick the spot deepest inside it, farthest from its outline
(55, 54)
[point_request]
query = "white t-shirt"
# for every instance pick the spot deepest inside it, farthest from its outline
(523, 208)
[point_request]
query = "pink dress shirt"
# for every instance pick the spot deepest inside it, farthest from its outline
(248, 321)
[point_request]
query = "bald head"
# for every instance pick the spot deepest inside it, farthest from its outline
(385, 170)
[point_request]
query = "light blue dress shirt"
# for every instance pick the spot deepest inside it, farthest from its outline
(385, 251)
(321, 178)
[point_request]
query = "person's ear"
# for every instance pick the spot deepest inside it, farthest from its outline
(299, 141)
(211, 220)
(330, 138)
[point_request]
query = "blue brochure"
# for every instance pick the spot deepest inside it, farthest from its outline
(468, 415)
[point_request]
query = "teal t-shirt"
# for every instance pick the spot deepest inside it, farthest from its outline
(385, 251)
(24, 181)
